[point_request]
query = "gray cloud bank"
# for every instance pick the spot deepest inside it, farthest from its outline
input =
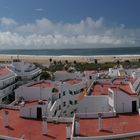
(45, 34)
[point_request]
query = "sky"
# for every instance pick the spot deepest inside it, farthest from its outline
(57, 24)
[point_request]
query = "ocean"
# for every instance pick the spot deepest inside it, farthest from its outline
(75, 52)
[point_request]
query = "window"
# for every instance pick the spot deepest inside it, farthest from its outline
(59, 95)
(3, 99)
(59, 107)
(82, 90)
(71, 112)
(90, 77)
(76, 92)
(70, 92)
(75, 101)
(64, 93)
(64, 103)
(70, 102)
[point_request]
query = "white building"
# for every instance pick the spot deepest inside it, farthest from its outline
(91, 76)
(7, 83)
(36, 90)
(64, 75)
(63, 95)
(115, 72)
(25, 71)
(34, 109)
(123, 99)
(117, 96)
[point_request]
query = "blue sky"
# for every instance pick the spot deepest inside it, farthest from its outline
(69, 23)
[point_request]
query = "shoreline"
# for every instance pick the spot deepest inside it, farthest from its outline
(44, 59)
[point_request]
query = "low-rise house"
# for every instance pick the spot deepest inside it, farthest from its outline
(7, 83)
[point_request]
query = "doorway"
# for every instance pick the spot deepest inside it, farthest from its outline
(134, 106)
(39, 113)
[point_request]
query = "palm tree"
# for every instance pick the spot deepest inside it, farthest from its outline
(50, 60)
(75, 62)
(95, 61)
(54, 62)
(66, 61)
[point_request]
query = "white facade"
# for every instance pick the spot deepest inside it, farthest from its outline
(26, 71)
(67, 101)
(121, 101)
(30, 93)
(64, 99)
(7, 83)
(91, 76)
(93, 104)
(113, 72)
(64, 75)
(31, 111)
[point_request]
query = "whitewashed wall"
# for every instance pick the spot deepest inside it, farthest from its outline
(92, 104)
(64, 75)
(123, 102)
(31, 112)
(31, 94)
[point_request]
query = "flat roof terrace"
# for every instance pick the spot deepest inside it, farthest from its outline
(30, 129)
(4, 71)
(44, 84)
(100, 89)
(126, 123)
(124, 80)
(73, 81)
(33, 103)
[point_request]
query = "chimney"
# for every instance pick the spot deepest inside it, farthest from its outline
(44, 126)
(100, 124)
(6, 124)
(77, 126)
(68, 131)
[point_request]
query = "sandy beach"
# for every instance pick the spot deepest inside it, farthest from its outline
(46, 59)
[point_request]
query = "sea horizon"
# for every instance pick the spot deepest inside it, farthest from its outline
(122, 51)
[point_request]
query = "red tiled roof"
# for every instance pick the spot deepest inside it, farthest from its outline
(101, 89)
(33, 103)
(126, 123)
(43, 84)
(73, 81)
(124, 80)
(125, 88)
(4, 71)
(30, 129)
(90, 72)
(132, 80)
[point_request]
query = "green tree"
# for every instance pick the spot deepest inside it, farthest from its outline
(45, 75)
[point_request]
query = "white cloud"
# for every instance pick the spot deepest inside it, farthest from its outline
(47, 34)
(38, 9)
(7, 21)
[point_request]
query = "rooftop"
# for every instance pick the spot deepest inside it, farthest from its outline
(125, 123)
(100, 89)
(33, 103)
(73, 81)
(4, 71)
(90, 72)
(125, 88)
(132, 80)
(44, 84)
(124, 80)
(30, 129)
(117, 84)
